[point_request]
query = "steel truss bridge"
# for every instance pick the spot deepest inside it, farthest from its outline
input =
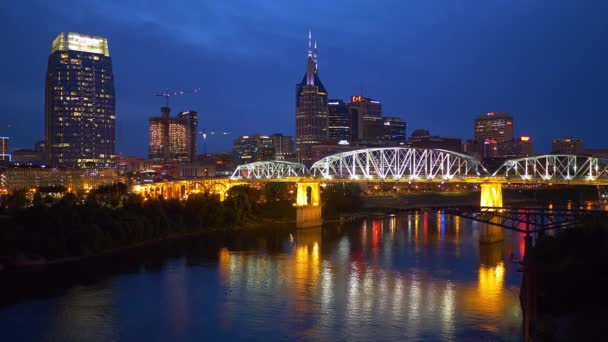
(417, 164)
(398, 164)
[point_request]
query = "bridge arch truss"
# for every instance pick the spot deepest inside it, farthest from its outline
(274, 169)
(398, 163)
(555, 167)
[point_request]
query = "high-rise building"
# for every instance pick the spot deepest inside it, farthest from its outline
(252, 148)
(4, 155)
(394, 129)
(283, 147)
(366, 119)
(173, 139)
(189, 119)
(311, 108)
(569, 145)
(338, 121)
(494, 125)
(80, 112)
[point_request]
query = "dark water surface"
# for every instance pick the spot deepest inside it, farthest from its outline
(410, 277)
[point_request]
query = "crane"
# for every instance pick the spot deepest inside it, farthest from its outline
(168, 93)
(206, 132)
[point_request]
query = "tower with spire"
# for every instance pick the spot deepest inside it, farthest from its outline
(311, 107)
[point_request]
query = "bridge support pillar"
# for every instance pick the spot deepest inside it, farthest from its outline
(308, 205)
(223, 193)
(491, 195)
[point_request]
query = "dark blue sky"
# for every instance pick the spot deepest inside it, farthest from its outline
(435, 63)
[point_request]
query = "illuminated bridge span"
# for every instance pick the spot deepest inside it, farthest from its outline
(392, 164)
(398, 163)
(555, 167)
(274, 169)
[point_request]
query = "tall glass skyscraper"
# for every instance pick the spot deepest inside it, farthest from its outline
(339, 120)
(311, 109)
(80, 110)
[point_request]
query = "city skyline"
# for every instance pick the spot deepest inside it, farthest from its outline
(437, 90)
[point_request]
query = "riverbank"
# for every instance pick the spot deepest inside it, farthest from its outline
(564, 292)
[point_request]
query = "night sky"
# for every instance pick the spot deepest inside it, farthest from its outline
(437, 64)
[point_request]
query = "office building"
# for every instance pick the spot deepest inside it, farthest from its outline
(365, 119)
(496, 126)
(568, 145)
(173, 139)
(311, 108)
(80, 116)
(75, 180)
(338, 121)
(4, 153)
(253, 148)
(516, 148)
(394, 129)
(283, 147)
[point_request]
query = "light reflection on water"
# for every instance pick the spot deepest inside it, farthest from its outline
(424, 276)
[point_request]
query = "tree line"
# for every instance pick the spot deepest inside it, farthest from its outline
(111, 217)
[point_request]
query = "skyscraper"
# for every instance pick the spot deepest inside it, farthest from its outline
(366, 119)
(338, 120)
(80, 113)
(173, 139)
(311, 108)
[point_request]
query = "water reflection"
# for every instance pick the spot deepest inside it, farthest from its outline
(341, 282)
(424, 276)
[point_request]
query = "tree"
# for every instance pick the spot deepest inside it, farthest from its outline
(276, 192)
(37, 200)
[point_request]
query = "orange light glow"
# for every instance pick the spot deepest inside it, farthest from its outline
(524, 138)
(356, 98)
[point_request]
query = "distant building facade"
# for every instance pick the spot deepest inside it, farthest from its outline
(28, 157)
(339, 120)
(311, 108)
(197, 169)
(394, 129)
(568, 145)
(253, 148)
(80, 111)
(421, 138)
(19, 178)
(283, 147)
(366, 119)
(173, 139)
(516, 148)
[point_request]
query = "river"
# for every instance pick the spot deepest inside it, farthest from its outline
(420, 277)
